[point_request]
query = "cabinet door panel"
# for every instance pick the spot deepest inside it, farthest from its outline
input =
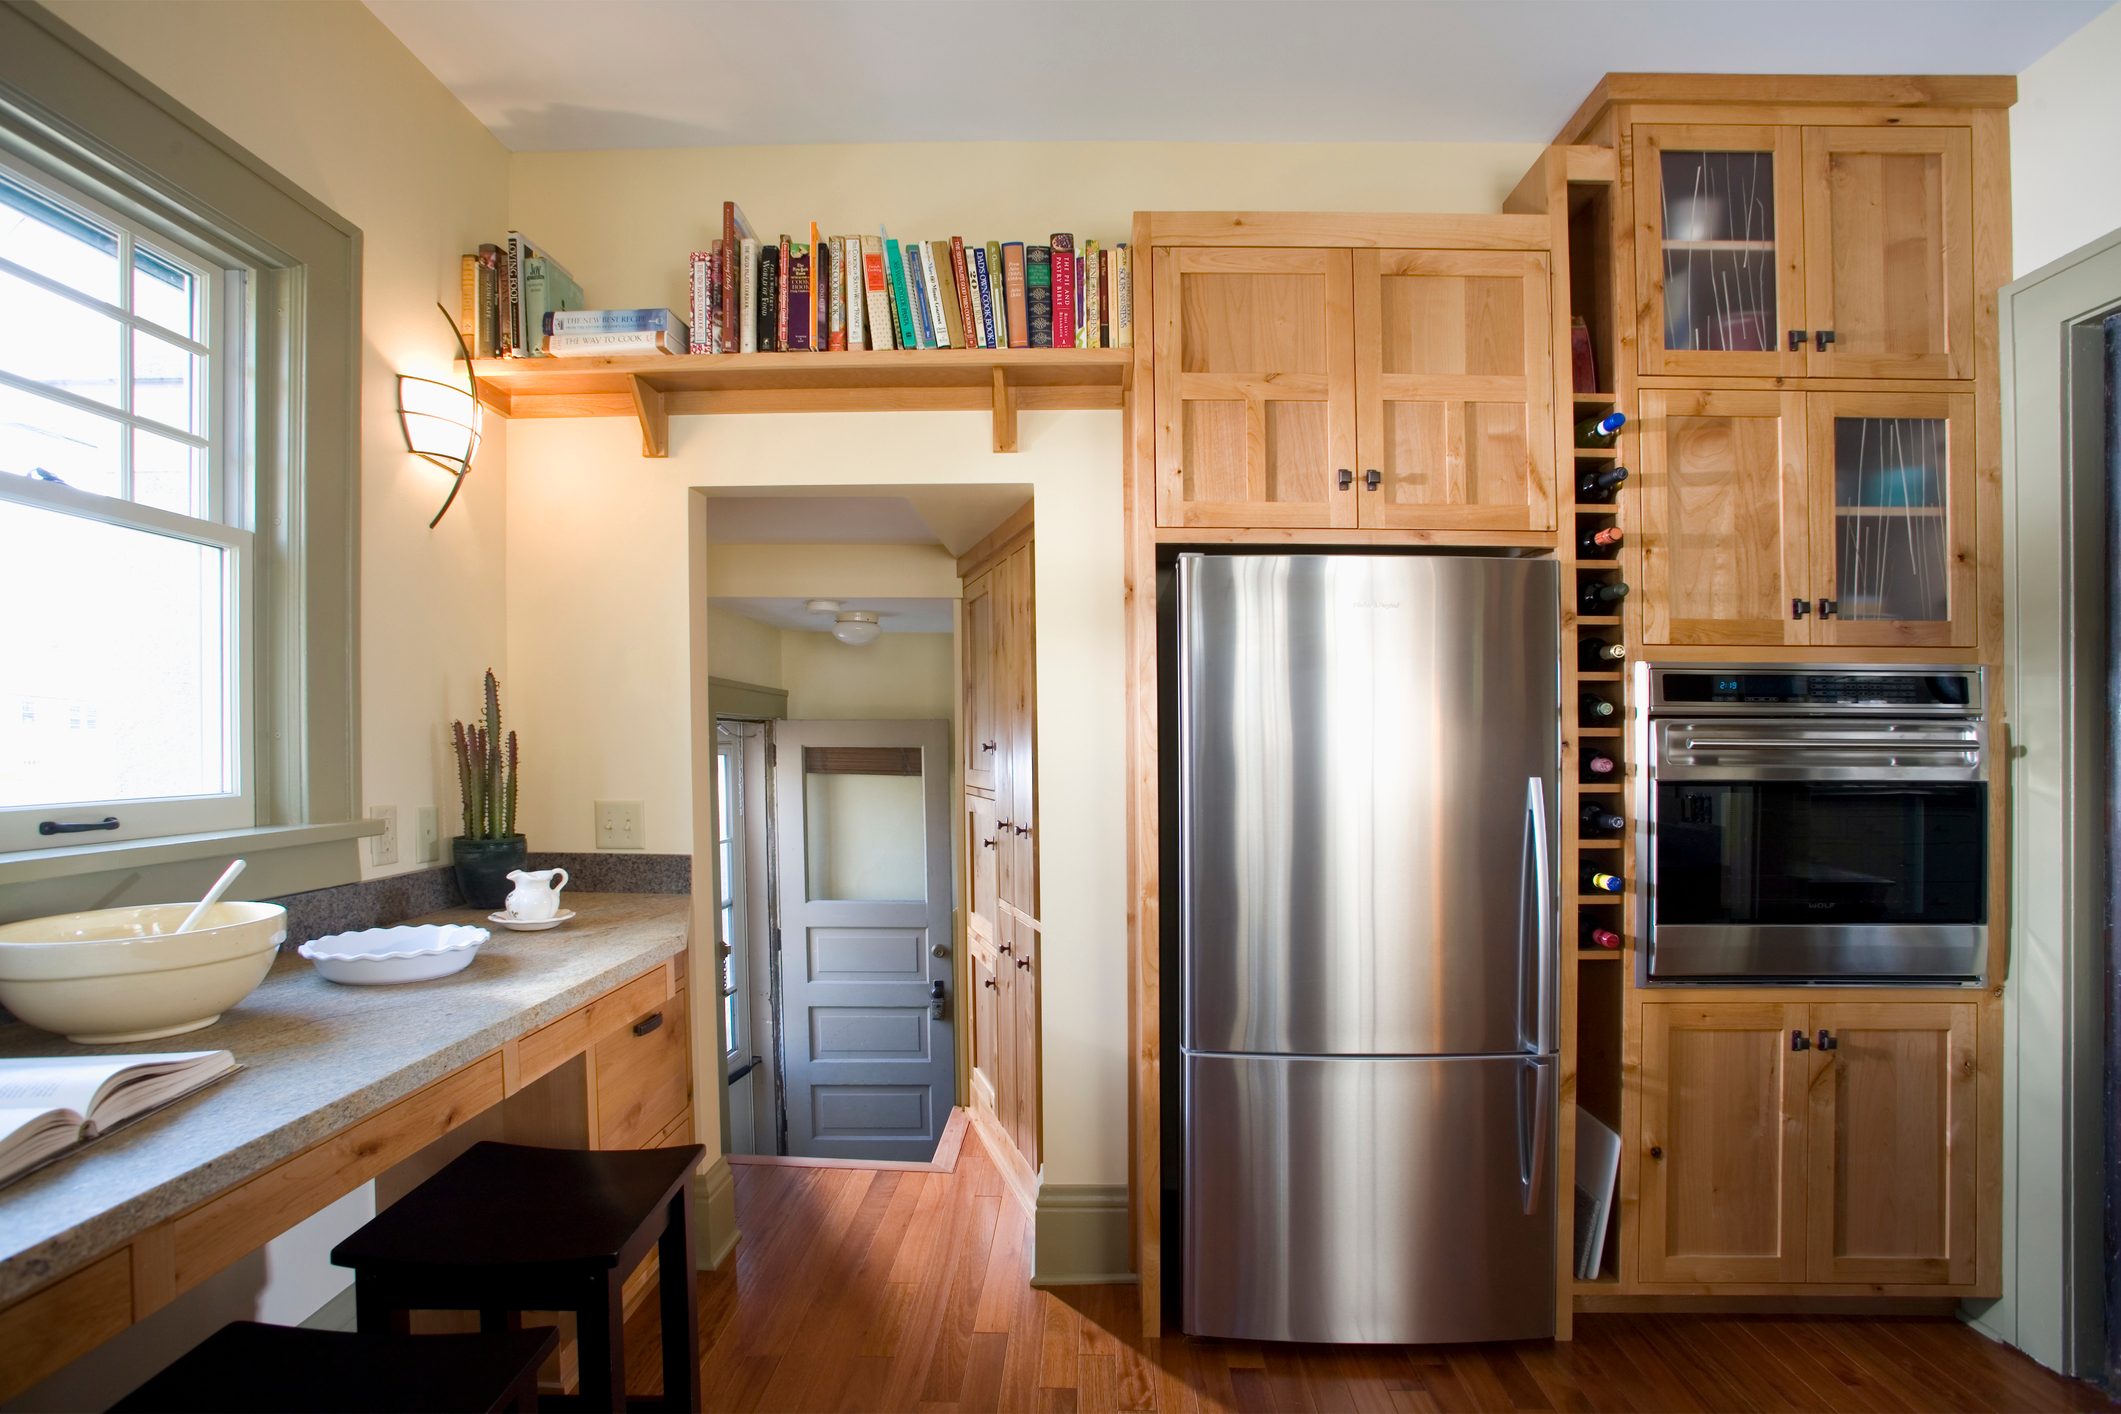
(1722, 1150)
(1254, 387)
(986, 1027)
(981, 737)
(1718, 232)
(1007, 1044)
(1019, 729)
(1024, 1109)
(983, 846)
(1889, 234)
(1454, 397)
(1891, 1138)
(1893, 548)
(1724, 535)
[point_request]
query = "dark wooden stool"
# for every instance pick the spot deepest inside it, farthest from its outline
(506, 1228)
(247, 1368)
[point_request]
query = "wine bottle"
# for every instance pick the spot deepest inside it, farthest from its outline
(1601, 656)
(1595, 937)
(1597, 881)
(1598, 766)
(1600, 431)
(1603, 598)
(1598, 487)
(1598, 709)
(1599, 820)
(1600, 544)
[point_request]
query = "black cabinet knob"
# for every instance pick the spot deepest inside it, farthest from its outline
(1799, 1041)
(1347, 478)
(1827, 1041)
(1656, 1151)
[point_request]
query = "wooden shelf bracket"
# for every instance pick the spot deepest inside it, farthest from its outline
(1004, 413)
(651, 407)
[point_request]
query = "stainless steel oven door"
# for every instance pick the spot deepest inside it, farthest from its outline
(1816, 850)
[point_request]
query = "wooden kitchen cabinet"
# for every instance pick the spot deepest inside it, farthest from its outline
(986, 1031)
(982, 861)
(1891, 1133)
(982, 741)
(1830, 518)
(1723, 1114)
(643, 1076)
(1454, 389)
(1785, 251)
(1022, 1104)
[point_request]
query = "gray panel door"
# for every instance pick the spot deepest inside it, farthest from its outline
(862, 819)
(1360, 736)
(1345, 1200)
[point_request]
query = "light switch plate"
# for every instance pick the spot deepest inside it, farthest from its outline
(383, 848)
(427, 837)
(619, 824)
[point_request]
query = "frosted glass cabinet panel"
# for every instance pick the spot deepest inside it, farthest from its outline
(1720, 224)
(1892, 529)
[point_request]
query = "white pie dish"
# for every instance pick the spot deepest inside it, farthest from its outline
(127, 974)
(379, 956)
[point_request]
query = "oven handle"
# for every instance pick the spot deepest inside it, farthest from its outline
(1794, 744)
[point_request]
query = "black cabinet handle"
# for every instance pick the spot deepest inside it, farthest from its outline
(1828, 608)
(1004, 949)
(1827, 1041)
(648, 1023)
(1023, 962)
(1800, 607)
(1023, 829)
(1796, 340)
(987, 982)
(1347, 478)
(986, 746)
(1799, 1041)
(68, 827)
(1371, 479)
(986, 844)
(1821, 339)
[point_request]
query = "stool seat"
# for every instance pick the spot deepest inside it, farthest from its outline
(246, 1367)
(512, 1205)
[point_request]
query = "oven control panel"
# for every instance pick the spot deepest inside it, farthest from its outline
(1916, 691)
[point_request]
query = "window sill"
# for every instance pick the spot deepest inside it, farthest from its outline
(30, 866)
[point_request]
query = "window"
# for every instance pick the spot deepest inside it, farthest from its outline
(729, 885)
(125, 693)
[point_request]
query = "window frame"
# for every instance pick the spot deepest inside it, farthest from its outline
(76, 117)
(733, 998)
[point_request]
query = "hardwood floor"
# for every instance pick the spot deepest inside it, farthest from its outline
(856, 1289)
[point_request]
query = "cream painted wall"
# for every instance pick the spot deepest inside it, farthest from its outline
(325, 95)
(745, 650)
(2063, 193)
(671, 198)
(901, 675)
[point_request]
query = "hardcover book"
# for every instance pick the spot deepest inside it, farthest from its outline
(607, 321)
(768, 313)
(876, 279)
(1001, 302)
(618, 341)
(1038, 295)
(1014, 295)
(852, 292)
(820, 288)
(961, 279)
(748, 296)
(780, 339)
(989, 333)
(1123, 298)
(925, 307)
(1062, 316)
(50, 1106)
(934, 278)
(801, 323)
(901, 293)
(1093, 311)
(735, 231)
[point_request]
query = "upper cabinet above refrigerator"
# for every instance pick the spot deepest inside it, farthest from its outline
(1826, 252)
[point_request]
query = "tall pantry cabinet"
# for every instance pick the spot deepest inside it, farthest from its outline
(1000, 824)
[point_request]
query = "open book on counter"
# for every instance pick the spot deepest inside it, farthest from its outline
(50, 1106)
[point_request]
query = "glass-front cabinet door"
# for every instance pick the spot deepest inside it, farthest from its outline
(1892, 523)
(1255, 385)
(1888, 250)
(1718, 227)
(1725, 541)
(1454, 402)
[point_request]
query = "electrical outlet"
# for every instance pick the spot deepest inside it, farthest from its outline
(383, 848)
(619, 824)
(427, 837)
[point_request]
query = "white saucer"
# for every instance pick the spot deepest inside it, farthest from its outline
(530, 925)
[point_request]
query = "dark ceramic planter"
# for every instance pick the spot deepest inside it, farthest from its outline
(483, 866)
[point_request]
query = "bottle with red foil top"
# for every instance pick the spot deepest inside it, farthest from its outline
(1605, 938)
(1600, 544)
(1599, 766)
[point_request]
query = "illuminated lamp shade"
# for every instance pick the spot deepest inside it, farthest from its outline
(442, 422)
(855, 628)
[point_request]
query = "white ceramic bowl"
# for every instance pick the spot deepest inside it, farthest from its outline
(374, 956)
(126, 974)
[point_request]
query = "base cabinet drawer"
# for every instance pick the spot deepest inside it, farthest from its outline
(643, 1076)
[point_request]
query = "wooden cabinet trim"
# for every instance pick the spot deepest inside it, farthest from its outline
(641, 1081)
(59, 1323)
(579, 1030)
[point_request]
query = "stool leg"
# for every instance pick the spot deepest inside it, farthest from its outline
(494, 1319)
(374, 1313)
(600, 1342)
(679, 1301)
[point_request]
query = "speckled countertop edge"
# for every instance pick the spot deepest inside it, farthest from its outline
(319, 1058)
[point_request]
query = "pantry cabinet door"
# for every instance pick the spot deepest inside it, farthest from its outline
(1718, 233)
(986, 1027)
(1255, 388)
(1723, 1144)
(1888, 252)
(981, 729)
(1891, 1142)
(1019, 729)
(1892, 537)
(1724, 533)
(1454, 409)
(1023, 1116)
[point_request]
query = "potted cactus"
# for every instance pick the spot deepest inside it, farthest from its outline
(488, 772)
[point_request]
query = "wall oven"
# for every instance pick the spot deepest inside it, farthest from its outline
(1803, 824)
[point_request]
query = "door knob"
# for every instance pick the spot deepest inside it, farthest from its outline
(935, 989)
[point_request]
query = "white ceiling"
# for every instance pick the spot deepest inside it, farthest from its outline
(896, 615)
(565, 74)
(955, 517)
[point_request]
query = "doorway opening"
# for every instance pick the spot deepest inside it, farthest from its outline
(834, 670)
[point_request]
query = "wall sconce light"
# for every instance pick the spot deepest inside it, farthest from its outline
(442, 422)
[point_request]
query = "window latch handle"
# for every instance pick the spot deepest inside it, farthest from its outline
(71, 827)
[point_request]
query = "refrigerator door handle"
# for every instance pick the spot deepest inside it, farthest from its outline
(1539, 1037)
(1535, 1127)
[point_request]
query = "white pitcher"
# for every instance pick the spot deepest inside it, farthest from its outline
(535, 895)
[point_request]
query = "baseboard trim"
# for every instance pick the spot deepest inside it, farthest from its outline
(714, 1207)
(1080, 1235)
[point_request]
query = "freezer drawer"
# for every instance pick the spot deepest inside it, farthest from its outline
(1394, 1200)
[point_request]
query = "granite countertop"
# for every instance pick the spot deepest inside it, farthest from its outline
(317, 1058)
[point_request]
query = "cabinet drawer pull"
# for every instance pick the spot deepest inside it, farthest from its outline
(988, 983)
(1347, 478)
(648, 1023)
(1797, 340)
(1822, 338)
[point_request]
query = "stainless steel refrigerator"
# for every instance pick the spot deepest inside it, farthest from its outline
(1367, 757)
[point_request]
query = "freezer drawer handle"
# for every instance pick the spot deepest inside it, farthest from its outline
(1534, 1125)
(1541, 935)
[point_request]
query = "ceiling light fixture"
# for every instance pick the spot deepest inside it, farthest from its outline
(853, 627)
(442, 422)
